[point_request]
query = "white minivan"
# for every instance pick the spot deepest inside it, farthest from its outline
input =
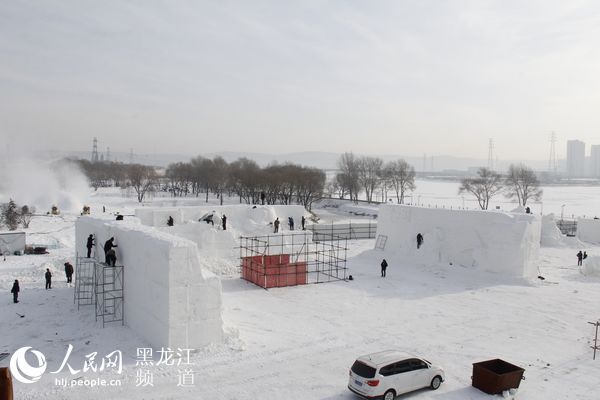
(389, 373)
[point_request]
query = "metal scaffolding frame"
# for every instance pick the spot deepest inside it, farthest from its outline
(292, 259)
(109, 293)
(100, 285)
(85, 283)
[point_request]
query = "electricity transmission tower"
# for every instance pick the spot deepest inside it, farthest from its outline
(491, 155)
(95, 150)
(552, 160)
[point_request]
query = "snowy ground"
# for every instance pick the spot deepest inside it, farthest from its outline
(298, 343)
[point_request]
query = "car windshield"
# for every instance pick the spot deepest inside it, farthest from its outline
(363, 370)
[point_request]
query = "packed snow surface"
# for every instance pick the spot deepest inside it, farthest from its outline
(299, 342)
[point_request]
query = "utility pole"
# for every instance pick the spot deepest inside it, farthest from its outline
(595, 346)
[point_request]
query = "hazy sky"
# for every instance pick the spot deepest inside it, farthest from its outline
(407, 77)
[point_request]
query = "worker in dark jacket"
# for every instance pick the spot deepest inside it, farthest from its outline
(89, 245)
(69, 272)
(111, 257)
(170, 221)
(303, 222)
(419, 240)
(276, 225)
(579, 258)
(224, 222)
(384, 265)
(107, 247)
(48, 276)
(15, 291)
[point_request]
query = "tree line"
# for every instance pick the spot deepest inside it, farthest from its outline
(369, 174)
(274, 184)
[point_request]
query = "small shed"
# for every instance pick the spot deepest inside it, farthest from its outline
(10, 242)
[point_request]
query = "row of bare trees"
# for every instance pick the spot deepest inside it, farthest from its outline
(520, 183)
(368, 174)
(275, 184)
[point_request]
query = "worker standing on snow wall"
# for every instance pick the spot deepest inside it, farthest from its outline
(291, 223)
(276, 225)
(303, 222)
(224, 222)
(579, 258)
(419, 240)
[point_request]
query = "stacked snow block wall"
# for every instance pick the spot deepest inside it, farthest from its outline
(170, 301)
(588, 230)
(11, 242)
(244, 218)
(505, 243)
(274, 271)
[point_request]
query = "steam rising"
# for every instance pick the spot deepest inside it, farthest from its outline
(43, 184)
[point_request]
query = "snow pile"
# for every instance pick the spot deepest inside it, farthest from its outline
(591, 266)
(169, 299)
(36, 184)
(492, 241)
(11, 242)
(588, 230)
(551, 235)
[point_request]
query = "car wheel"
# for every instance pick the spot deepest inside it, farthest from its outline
(436, 382)
(389, 395)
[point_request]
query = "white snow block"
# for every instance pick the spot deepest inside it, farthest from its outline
(591, 266)
(491, 241)
(11, 242)
(588, 230)
(551, 235)
(170, 301)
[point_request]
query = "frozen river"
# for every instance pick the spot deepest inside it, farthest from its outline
(577, 200)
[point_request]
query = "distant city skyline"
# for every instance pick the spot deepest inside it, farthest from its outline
(409, 78)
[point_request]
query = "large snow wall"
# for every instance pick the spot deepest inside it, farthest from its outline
(170, 301)
(588, 230)
(506, 243)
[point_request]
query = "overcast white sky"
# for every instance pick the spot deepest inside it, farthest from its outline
(405, 77)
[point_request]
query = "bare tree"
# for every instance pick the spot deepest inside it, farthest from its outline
(523, 184)
(369, 174)
(25, 215)
(347, 178)
(485, 186)
(142, 178)
(401, 177)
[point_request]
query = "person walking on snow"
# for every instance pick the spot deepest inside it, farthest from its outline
(419, 240)
(107, 247)
(69, 272)
(303, 221)
(224, 222)
(276, 225)
(579, 258)
(384, 265)
(89, 245)
(291, 223)
(48, 276)
(15, 291)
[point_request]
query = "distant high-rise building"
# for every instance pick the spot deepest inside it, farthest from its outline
(575, 158)
(595, 161)
(95, 150)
